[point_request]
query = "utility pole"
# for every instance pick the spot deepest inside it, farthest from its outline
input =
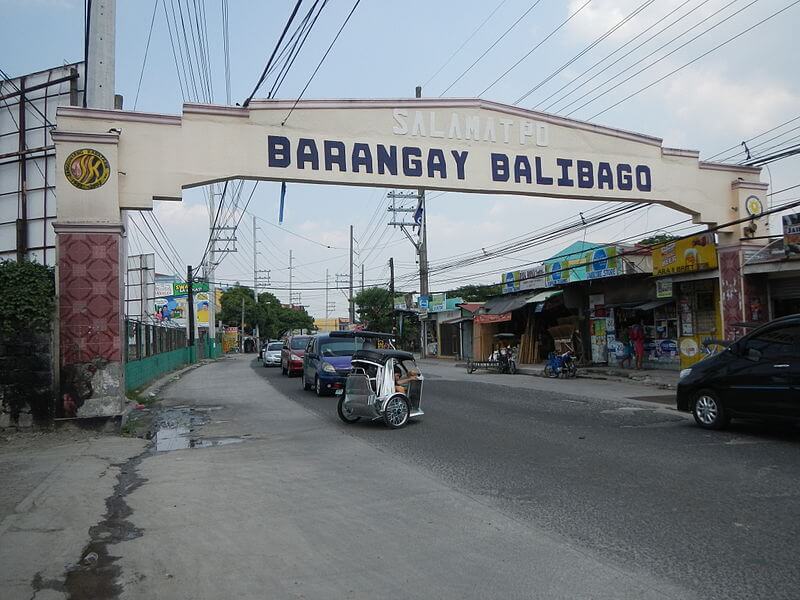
(241, 331)
(290, 277)
(190, 303)
(352, 303)
(100, 59)
(423, 254)
(391, 294)
(362, 277)
(255, 276)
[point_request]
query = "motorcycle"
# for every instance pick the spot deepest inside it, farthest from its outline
(561, 365)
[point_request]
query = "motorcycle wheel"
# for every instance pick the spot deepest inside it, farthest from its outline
(344, 414)
(512, 368)
(549, 372)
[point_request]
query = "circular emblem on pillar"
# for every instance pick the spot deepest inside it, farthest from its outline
(87, 169)
(753, 206)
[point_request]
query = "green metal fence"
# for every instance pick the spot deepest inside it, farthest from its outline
(154, 350)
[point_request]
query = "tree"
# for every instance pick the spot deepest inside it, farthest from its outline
(375, 307)
(659, 238)
(476, 293)
(273, 319)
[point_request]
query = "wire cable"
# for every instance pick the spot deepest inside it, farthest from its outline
(322, 60)
(146, 49)
(489, 49)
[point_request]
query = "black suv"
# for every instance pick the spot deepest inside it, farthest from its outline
(756, 376)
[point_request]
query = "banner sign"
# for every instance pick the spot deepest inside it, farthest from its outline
(697, 253)
(664, 288)
(437, 303)
(182, 289)
(791, 235)
(490, 318)
(529, 279)
(595, 263)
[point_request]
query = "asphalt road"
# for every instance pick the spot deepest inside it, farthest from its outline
(715, 512)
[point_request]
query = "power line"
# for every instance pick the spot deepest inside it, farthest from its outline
(609, 55)
(715, 48)
(616, 85)
(755, 137)
(485, 52)
(464, 43)
(532, 50)
(597, 41)
(324, 56)
(146, 49)
(261, 79)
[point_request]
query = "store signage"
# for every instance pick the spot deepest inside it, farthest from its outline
(529, 279)
(400, 303)
(163, 288)
(791, 235)
(182, 289)
(664, 288)
(697, 253)
(601, 262)
(489, 318)
(437, 303)
(595, 263)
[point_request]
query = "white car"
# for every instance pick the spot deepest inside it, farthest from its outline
(271, 356)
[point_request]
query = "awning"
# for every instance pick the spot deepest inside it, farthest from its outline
(653, 304)
(544, 296)
(456, 321)
(503, 304)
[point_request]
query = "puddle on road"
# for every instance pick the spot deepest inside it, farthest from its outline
(174, 429)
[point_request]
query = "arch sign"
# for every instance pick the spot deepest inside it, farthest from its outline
(114, 160)
(452, 145)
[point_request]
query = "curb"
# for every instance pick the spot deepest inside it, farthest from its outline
(582, 374)
(153, 389)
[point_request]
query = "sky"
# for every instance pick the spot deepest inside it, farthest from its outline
(734, 93)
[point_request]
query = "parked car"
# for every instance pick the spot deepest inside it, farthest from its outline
(271, 354)
(756, 376)
(294, 347)
(326, 363)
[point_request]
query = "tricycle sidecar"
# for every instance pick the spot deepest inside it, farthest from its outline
(372, 391)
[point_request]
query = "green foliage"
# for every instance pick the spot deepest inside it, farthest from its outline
(475, 293)
(375, 309)
(659, 238)
(27, 297)
(272, 318)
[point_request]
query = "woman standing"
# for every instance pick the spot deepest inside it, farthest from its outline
(636, 335)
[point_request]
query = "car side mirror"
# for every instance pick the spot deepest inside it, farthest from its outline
(752, 354)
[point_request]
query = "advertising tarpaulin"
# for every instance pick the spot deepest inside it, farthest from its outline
(791, 235)
(697, 253)
(526, 279)
(182, 288)
(489, 318)
(437, 303)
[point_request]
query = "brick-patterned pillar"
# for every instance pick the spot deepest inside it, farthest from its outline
(731, 290)
(91, 319)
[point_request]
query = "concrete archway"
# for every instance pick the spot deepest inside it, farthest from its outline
(116, 160)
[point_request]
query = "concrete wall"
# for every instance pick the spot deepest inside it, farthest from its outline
(143, 371)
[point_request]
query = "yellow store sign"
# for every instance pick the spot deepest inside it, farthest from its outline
(697, 253)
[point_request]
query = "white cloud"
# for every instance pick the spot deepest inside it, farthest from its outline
(706, 99)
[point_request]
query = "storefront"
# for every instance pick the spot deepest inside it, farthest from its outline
(687, 277)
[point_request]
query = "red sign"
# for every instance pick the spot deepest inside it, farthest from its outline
(506, 316)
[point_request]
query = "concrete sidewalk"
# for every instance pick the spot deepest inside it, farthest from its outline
(657, 378)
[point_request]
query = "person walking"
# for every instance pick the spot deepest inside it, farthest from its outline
(636, 335)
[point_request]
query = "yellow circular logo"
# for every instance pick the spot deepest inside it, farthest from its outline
(87, 169)
(753, 206)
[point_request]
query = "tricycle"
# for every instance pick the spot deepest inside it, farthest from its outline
(383, 384)
(503, 358)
